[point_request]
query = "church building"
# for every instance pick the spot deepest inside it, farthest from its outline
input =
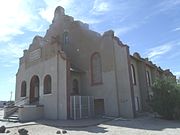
(74, 72)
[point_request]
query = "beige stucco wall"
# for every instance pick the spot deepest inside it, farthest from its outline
(106, 90)
(30, 113)
(62, 88)
(125, 95)
(58, 97)
(136, 87)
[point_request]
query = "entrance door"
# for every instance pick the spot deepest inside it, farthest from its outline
(99, 107)
(75, 87)
(34, 90)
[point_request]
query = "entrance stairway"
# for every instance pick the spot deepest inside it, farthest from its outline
(11, 110)
(13, 118)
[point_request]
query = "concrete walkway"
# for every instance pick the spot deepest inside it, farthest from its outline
(144, 125)
(58, 123)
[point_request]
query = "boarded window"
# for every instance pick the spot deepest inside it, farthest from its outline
(96, 69)
(133, 74)
(23, 89)
(47, 84)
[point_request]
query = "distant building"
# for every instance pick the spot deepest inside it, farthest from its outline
(2, 103)
(72, 62)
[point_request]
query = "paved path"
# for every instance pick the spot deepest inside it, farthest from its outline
(146, 125)
(139, 126)
(58, 123)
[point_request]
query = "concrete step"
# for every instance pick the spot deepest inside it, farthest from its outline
(13, 117)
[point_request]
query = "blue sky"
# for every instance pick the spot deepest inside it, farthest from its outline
(151, 28)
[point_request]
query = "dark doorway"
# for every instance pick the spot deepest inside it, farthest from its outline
(34, 90)
(75, 87)
(99, 107)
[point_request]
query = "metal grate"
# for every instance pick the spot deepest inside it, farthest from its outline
(81, 107)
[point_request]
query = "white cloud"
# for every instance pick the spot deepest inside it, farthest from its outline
(158, 51)
(16, 15)
(11, 54)
(100, 7)
(176, 29)
(177, 74)
(167, 5)
(123, 30)
(70, 6)
(48, 12)
(90, 20)
(13, 50)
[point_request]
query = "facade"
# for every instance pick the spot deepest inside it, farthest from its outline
(72, 60)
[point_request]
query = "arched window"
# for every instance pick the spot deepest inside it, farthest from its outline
(23, 89)
(148, 78)
(75, 87)
(47, 84)
(133, 74)
(96, 69)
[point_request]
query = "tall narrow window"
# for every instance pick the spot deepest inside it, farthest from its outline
(65, 38)
(96, 69)
(23, 89)
(133, 74)
(148, 78)
(47, 84)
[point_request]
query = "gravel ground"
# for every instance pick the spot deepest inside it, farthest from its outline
(139, 126)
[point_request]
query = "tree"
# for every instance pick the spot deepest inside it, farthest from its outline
(166, 98)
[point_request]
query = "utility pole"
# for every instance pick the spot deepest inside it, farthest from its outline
(11, 96)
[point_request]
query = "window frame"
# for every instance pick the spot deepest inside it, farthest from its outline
(133, 74)
(148, 78)
(93, 81)
(47, 83)
(23, 89)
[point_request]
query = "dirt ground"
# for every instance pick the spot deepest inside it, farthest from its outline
(139, 126)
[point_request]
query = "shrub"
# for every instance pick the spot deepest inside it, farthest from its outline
(166, 98)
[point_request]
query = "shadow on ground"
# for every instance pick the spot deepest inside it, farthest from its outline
(102, 125)
(145, 123)
(88, 125)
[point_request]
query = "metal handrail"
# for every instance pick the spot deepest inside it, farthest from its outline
(17, 101)
(14, 107)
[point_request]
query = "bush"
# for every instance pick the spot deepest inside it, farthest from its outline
(166, 98)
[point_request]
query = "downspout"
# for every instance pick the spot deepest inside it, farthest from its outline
(58, 85)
